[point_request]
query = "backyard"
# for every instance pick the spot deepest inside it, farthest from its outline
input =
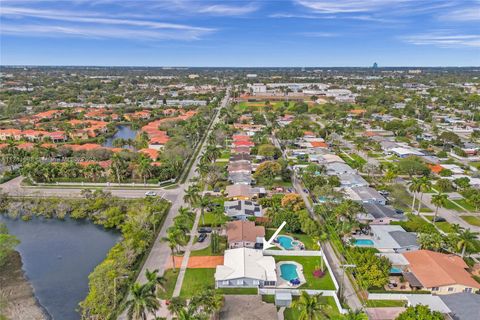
(306, 239)
(331, 311)
(310, 264)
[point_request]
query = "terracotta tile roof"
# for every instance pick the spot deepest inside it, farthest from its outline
(241, 137)
(152, 153)
(318, 144)
(435, 168)
(434, 269)
(357, 111)
(104, 164)
(25, 146)
(84, 147)
(243, 143)
(244, 231)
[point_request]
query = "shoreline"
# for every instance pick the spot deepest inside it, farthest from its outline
(17, 294)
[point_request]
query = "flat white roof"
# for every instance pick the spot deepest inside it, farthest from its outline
(246, 263)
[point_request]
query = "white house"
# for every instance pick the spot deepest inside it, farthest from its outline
(246, 268)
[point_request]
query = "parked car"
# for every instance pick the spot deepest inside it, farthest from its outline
(202, 237)
(399, 211)
(204, 230)
(384, 193)
(150, 194)
(439, 219)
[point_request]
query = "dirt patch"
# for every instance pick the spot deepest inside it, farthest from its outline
(17, 301)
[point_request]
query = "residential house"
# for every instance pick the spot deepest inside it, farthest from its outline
(352, 180)
(244, 234)
(440, 273)
(379, 214)
(463, 306)
(240, 178)
(246, 268)
(365, 195)
(337, 168)
(393, 238)
(243, 192)
(242, 209)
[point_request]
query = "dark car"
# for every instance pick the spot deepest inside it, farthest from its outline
(398, 211)
(439, 219)
(204, 230)
(202, 237)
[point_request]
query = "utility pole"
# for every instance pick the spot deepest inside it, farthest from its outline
(344, 266)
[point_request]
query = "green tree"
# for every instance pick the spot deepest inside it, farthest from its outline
(310, 307)
(192, 195)
(267, 171)
(155, 282)
(8, 243)
(415, 186)
(467, 240)
(420, 312)
(425, 185)
(439, 200)
(142, 301)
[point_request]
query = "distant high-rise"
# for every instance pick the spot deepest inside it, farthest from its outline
(375, 66)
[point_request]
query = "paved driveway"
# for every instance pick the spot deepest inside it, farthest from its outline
(246, 307)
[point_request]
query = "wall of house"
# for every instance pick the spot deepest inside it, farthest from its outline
(241, 244)
(450, 289)
(240, 283)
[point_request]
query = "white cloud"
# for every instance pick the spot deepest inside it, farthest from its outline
(466, 14)
(319, 34)
(445, 40)
(228, 10)
(346, 6)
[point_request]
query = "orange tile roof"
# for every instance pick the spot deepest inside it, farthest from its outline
(84, 147)
(358, 111)
(25, 146)
(243, 143)
(241, 137)
(104, 164)
(435, 168)
(318, 144)
(308, 133)
(434, 269)
(152, 153)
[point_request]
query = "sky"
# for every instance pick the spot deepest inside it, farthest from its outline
(240, 33)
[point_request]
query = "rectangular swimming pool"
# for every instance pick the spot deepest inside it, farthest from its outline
(364, 242)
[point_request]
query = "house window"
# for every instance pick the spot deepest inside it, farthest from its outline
(435, 289)
(239, 282)
(450, 289)
(468, 290)
(225, 282)
(256, 282)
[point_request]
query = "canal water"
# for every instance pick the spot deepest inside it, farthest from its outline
(57, 258)
(124, 132)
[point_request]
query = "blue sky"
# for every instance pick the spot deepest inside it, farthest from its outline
(241, 33)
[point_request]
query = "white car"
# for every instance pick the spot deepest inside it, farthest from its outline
(150, 194)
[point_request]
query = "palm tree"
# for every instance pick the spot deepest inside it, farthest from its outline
(439, 200)
(154, 281)
(117, 166)
(143, 167)
(414, 187)
(203, 203)
(425, 185)
(172, 240)
(210, 301)
(142, 301)
(191, 195)
(355, 315)
(466, 239)
(176, 304)
(310, 306)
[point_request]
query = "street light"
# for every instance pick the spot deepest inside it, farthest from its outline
(342, 285)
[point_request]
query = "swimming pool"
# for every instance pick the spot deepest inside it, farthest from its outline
(285, 242)
(364, 242)
(395, 270)
(288, 271)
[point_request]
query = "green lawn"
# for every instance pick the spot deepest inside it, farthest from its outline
(353, 160)
(235, 291)
(208, 250)
(385, 303)
(401, 198)
(464, 203)
(475, 164)
(225, 154)
(331, 311)
(212, 218)
(171, 279)
(196, 280)
(309, 265)
(473, 220)
(444, 226)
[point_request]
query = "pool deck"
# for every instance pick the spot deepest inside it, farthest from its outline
(282, 283)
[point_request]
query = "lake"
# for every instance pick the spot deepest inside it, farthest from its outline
(124, 132)
(57, 258)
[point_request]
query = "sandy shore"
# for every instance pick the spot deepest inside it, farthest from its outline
(17, 301)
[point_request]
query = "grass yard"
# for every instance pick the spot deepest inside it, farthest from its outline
(212, 219)
(475, 164)
(464, 203)
(235, 291)
(309, 265)
(385, 303)
(473, 220)
(444, 226)
(196, 280)
(401, 197)
(171, 279)
(331, 312)
(208, 251)
(353, 160)
(225, 154)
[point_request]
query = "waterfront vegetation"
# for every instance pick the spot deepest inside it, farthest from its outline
(137, 220)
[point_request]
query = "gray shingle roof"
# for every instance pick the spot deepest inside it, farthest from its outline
(464, 306)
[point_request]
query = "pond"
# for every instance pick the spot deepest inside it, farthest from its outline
(123, 132)
(57, 258)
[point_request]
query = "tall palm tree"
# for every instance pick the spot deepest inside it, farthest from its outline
(191, 195)
(117, 165)
(143, 167)
(209, 301)
(141, 302)
(172, 240)
(154, 281)
(415, 186)
(176, 304)
(439, 200)
(310, 306)
(355, 315)
(466, 239)
(425, 185)
(203, 203)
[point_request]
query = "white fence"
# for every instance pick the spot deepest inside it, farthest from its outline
(106, 184)
(293, 253)
(393, 296)
(297, 292)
